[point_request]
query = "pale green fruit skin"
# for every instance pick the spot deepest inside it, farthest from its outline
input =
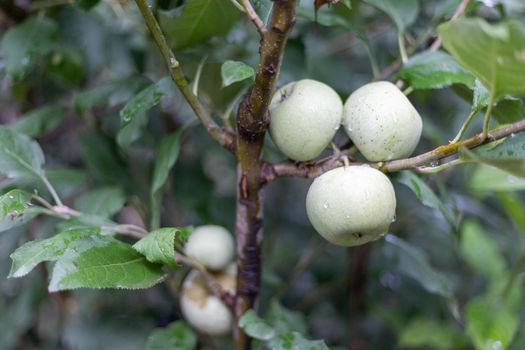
(381, 122)
(351, 206)
(211, 245)
(305, 115)
(203, 310)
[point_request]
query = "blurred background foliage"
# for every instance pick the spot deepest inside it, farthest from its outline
(68, 68)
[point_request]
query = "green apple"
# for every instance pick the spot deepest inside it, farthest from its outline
(203, 310)
(211, 245)
(305, 115)
(381, 122)
(351, 205)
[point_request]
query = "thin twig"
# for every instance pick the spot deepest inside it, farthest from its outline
(220, 135)
(459, 11)
(448, 150)
(312, 170)
(211, 282)
(254, 17)
(439, 168)
(133, 231)
(51, 190)
(307, 170)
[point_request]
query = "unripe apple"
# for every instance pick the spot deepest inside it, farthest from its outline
(351, 205)
(201, 308)
(381, 122)
(211, 245)
(305, 115)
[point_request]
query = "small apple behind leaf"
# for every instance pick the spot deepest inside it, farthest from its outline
(305, 115)
(351, 205)
(211, 245)
(381, 122)
(203, 310)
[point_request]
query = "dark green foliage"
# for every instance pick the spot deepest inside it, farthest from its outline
(104, 170)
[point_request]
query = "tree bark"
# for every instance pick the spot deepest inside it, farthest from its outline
(252, 122)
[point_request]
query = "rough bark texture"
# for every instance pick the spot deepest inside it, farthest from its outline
(252, 122)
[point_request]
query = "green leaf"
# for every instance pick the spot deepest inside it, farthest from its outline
(24, 44)
(514, 207)
(492, 322)
(426, 195)
(14, 209)
(101, 158)
(166, 157)
(494, 53)
(159, 246)
(481, 96)
(284, 320)
(176, 336)
(132, 131)
(20, 156)
(328, 19)
(18, 314)
(295, 341)
(39, 121)
(87, 4)
(66, 64)
(423, 333)
(435, 70)
(109, 93)
(481, 252)
(200, 20)
(507, 154)
(66, 181)
(234, 71)
(413, 262)
(402, 12)
(105, 201)
(103, 262)
(255, 326)
(263, 9)
(146, 99)
(26, 257)
(508, 109)
(488, 178)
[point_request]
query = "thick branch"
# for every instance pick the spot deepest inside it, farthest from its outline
(220, 135)
(253, 113)
(252, 121)
(312, 170)
(254, 17)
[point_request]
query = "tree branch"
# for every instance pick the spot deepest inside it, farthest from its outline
(312, 170)
(459, 11)
(307, 170)
(448, 150)
(252, 121)
(223, 137)
(254, 17)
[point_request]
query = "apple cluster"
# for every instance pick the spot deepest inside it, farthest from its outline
(354, 204)
(213, 247)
